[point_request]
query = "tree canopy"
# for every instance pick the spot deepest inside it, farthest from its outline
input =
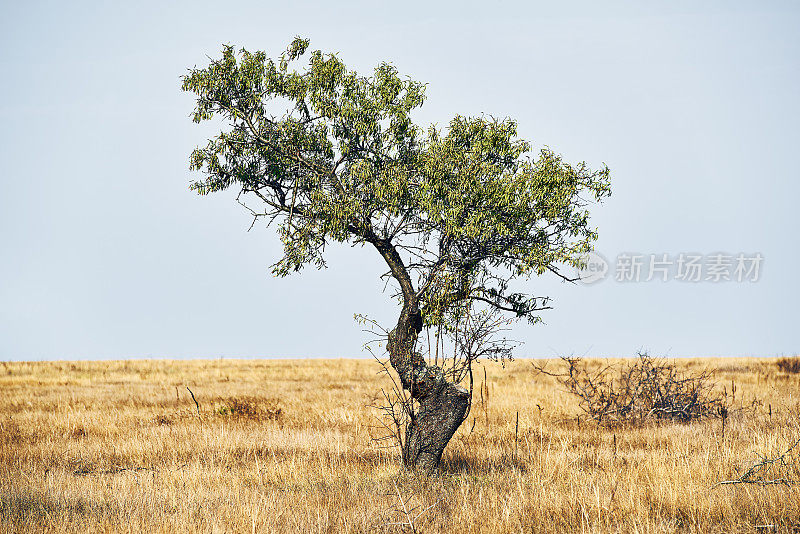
(330, 155)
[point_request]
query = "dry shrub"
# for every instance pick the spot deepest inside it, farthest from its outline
(250, 408)
(789, 365)
(649, 389)
(77, 432)
(163, 420)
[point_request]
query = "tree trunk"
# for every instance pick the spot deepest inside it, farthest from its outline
(438, 418)
(442, 404)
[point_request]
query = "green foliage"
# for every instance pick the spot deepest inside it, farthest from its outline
(329, 155)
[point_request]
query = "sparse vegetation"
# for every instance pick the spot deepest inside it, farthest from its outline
(118, 447)
(783, 468)
(647, 389)
(250, 408)
(789, 365)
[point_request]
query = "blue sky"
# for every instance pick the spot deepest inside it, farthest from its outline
(105, 253)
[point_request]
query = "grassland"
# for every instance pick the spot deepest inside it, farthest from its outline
(286, 446)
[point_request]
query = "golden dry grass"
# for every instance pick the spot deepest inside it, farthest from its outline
(285, 446)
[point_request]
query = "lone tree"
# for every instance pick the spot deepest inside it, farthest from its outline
(458, 215)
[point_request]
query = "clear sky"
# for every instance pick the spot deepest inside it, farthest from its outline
(105, 253)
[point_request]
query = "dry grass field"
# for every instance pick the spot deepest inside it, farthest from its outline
(286, 446)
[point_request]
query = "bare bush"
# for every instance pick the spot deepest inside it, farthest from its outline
(649, 389)
(789, 365)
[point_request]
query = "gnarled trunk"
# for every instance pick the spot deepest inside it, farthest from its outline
(434, 424)
(442, 404)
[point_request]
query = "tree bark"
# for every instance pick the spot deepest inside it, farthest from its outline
(434, 424)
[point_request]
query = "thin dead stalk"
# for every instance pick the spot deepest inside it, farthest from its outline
(196, 404)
